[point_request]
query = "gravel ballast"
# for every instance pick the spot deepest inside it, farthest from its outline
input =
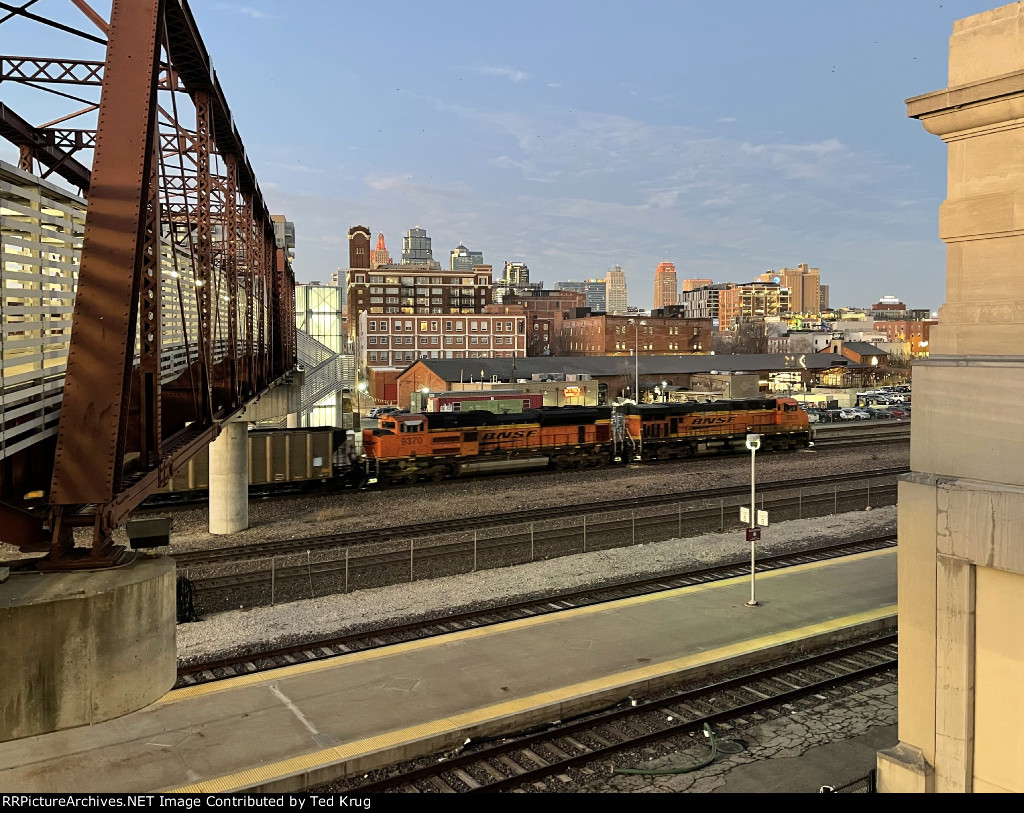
(229, 633)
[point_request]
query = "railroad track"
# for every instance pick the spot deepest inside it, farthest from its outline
(234, 553)
(821, 435)
(263, 660)
(578, 751)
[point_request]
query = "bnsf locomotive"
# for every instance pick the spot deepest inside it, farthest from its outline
(435, 445)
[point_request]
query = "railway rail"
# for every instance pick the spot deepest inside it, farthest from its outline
(233, 553)
(838, 435)
(577, 751)
(262, 660)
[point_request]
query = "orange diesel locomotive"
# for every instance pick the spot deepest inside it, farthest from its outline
(670, 431)
(435, 445)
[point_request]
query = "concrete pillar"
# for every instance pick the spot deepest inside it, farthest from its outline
(293, 420)
(229, 480)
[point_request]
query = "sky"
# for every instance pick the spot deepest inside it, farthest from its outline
(727, 138)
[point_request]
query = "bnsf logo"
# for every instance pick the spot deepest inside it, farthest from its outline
(713, 420)
(509, 434)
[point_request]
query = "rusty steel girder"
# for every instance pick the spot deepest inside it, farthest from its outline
(157, 188)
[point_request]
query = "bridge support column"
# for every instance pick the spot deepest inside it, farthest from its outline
(293, 420)
(229, 480)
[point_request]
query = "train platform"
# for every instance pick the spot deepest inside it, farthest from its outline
(308, 724)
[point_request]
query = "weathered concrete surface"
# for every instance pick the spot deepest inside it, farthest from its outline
(83, 647)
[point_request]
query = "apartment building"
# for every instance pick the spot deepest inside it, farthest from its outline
(397, 340)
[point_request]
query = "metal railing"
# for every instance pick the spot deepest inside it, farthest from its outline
(345, 569)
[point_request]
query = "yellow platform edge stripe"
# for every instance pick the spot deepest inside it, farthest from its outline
(318, 759)
(340, 661)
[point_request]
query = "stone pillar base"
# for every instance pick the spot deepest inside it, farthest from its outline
(903, 769)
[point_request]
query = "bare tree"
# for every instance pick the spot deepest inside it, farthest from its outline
(752, 337)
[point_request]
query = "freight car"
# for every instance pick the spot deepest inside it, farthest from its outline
(408, 447)
(279, 460)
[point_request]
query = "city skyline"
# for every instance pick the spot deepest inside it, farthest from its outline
(727, 140)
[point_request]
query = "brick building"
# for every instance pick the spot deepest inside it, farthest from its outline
(397, 340)
(546, 310)
(916, 333)
(603, 335)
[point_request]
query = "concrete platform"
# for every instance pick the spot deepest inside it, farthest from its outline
(303, 725)
(81, 647)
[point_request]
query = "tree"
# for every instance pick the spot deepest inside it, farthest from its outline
(752, 337)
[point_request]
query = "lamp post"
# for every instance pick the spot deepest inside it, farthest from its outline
(753, 443)
(636, 353)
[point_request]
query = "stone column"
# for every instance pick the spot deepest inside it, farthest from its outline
(293, 420)
(961, 508)
(229, 480)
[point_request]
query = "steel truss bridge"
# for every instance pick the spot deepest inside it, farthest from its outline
(183, 298)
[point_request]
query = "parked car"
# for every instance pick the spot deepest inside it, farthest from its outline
(853, 414)
(878, 414)
(899, 412)
(813, 416)
(380, 412)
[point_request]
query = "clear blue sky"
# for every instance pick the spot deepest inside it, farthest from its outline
(728, 138)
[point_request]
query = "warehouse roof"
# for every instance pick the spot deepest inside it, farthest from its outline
(470, 369)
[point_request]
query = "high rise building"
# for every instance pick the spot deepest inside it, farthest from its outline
(823, 298)
(804, 286)
(666, 287)
(416, 247)
(516, 274)
(594, 291)
(694, 284)
(381, 255)
(462, 259)
(616, 299)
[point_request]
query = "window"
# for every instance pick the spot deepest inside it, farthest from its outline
(422, 280)
(372, 340)
(448, 340)
(383, 339)
(472, 327)
(398, 324)
(458, 326)
(484, 341)
(376, 290)
(459, 340)
(372, 325)
(467, 281)
(408, 356)
(408, 324)
(376, 300)
(408, 281)
(436, 291)
(392, 300)
(447, 325)
(423, 325)
(376, 279)
(433, 325)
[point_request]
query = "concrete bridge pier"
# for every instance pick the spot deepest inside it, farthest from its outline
(229, 480)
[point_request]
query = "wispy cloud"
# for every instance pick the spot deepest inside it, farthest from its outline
(511, 74)
(248, 11)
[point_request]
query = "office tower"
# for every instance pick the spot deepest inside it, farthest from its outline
(462, 259)
(694, 284)
(416, 247)
(804, 287)
(823, 298)
(381, 255)
(516, 274)
(594, 291)
(665, 285)
(615, 291)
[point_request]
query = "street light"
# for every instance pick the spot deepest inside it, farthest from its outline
(753, 443)
(636, 353)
